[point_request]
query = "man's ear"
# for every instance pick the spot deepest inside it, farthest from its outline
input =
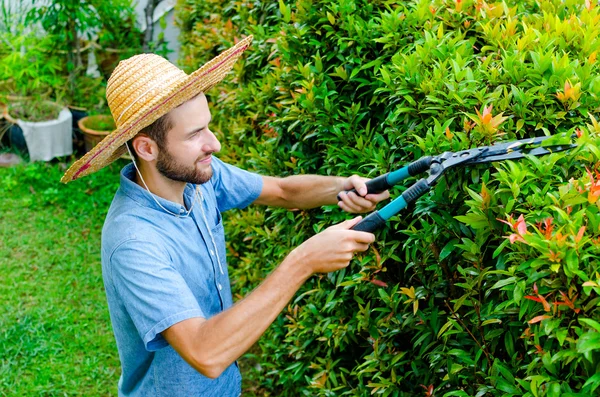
(145, 148)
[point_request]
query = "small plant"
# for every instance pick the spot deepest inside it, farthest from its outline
(100, 123)
(29, 69)
(37, 110)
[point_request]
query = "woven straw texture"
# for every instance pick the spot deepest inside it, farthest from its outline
(141, 90)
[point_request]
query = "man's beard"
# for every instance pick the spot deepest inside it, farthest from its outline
(168, 167)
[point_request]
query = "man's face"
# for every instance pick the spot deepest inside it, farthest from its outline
(190, 144)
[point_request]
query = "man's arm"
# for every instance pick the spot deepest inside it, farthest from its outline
(311, 191)
(212, 345)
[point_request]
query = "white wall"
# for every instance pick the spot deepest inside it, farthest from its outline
(166, 8)
(16, 10)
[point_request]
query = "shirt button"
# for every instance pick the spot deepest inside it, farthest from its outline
(212, 252)
(220, 286)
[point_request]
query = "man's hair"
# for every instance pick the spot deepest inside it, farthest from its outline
(156, 131)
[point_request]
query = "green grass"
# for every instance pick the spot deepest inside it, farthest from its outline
(55, 332)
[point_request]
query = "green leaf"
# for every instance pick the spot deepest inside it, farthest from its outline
(571, 262)
(498, 250)
(509, 344)
(491, 321)
(593, 381)
(448, 248)
(285, 11)
(590, 322)
(445, 327)
(456, 393)
(561, 335)
(476, 221)
(519, 291)
(520, 124)
(588, 342)
(460, 301)
(331, 18)
(505, 282)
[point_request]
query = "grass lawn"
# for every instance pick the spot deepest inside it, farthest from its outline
(55, 331)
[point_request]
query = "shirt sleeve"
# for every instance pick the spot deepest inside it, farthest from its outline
(153, 292)
(234, 187)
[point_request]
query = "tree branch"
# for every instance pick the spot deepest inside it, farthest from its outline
(483, 349)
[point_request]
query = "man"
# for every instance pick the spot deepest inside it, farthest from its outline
(163, 247)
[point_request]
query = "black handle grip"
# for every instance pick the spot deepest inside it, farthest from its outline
(375, 185)
(415, 191)
(421, 165)
(369, 224)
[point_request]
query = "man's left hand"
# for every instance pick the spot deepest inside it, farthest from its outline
(361, 202)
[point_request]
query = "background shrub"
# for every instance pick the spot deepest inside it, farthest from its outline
(488, 285)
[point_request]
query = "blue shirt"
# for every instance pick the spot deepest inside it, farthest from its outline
(160, 269)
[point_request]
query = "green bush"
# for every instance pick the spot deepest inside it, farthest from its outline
(490, 284)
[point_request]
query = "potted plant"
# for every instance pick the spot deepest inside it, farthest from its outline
(40, 128)
(27, 74)
(95, 128)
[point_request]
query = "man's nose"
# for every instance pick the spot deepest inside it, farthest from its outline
(212, 145)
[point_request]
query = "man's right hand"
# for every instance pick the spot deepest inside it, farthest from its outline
(333, 248)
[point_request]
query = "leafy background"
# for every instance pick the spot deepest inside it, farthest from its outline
(488, 285)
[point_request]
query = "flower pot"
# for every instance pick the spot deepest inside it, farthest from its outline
(93, 135)
(16, 139)
(44, 139)
(78, 113)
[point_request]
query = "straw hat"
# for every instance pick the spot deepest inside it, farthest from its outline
(141, 90)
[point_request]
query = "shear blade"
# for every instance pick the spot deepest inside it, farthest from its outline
(513, 154)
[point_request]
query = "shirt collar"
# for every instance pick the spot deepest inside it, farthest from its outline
(144, 197)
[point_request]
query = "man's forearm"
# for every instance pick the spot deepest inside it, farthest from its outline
(310, 191)
(223, 338)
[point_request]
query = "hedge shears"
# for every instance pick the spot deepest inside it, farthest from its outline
(438, 165)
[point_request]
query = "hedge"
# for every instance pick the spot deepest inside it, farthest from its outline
(488, 285)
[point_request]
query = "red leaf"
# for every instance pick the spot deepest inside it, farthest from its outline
(537, 319)
(568, 302)
(379, 283)
(428, 390)
(533, 298)
(539, 298)
(521, 226)
(547, 306)
(539, 349)
(377, 256)
(580, 234)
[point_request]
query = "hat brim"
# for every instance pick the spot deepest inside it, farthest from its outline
(112, 146)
